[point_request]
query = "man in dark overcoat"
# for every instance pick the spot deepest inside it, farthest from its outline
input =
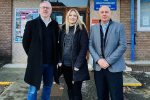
(40, 44)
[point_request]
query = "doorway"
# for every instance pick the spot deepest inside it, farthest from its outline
(59, 14)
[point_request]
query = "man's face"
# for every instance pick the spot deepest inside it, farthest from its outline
(105, 14)
(45, 10)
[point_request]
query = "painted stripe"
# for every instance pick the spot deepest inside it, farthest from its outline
(6, 83)
(132, 84)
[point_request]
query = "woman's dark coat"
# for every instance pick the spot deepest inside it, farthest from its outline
(32, 44)
(79, 51)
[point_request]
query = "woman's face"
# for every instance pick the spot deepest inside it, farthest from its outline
(72, 17)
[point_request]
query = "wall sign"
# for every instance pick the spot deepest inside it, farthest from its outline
(95, 21)
(21, 17)
(112, 4)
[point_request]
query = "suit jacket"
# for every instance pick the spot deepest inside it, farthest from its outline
(115, 46)
(32, 44)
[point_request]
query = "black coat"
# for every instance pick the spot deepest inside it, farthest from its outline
(79, 51)
(32, 44)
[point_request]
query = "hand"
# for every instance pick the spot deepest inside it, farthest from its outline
(59, 64)
(76, 69)
(103, 63)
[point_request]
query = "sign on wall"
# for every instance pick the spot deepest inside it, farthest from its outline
(112, 4)
(21, 18)
(95, 21)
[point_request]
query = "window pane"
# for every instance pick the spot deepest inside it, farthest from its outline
(71, 3)
(57, 16)
(144, 14)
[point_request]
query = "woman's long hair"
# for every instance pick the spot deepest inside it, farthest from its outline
(78, 22)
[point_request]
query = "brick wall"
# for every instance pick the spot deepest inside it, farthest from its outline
(5, 30)
(142, 39)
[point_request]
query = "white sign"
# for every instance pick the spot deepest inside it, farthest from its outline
(145, 20)
(59, 19)
(81, 17)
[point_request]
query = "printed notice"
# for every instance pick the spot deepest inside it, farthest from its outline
(21, 18)
(59, 19)
(145, 20)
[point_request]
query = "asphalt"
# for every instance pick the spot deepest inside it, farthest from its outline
(18, 90)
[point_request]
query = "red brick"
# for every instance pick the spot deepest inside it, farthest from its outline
(142, 39)
(5, 28)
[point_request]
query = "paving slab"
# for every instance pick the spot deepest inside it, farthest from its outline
(139, 93)
(19, 88)
(11, 74)
(140, 62)
(16, 91)
(128, 69)
(129, 80)
(15, 65)
(148, 73)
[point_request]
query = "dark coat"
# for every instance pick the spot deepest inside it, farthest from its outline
(32, 44)
(79, 51)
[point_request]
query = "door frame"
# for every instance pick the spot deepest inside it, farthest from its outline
(66, 9)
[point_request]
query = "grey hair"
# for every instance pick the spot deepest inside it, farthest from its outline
(46, 2)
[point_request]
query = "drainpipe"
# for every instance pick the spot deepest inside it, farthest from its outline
(132, 30)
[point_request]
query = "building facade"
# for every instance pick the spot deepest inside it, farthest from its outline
(12, 51)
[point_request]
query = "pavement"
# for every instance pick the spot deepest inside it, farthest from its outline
(18, 90)
(139, 62)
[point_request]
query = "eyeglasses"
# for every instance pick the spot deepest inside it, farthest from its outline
(47, 8)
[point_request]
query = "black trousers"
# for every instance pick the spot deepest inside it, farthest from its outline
(108, 82)
(68, 76)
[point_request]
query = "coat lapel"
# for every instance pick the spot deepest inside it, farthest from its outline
(98, 33)
(53, 28)
(54, 39)
(109, 32)
(39, 28)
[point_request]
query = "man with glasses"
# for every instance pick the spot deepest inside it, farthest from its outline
(40, 44)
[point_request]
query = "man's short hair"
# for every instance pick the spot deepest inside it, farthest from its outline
(46, 2)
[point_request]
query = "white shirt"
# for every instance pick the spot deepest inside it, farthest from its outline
(105, 27)
(46, 23)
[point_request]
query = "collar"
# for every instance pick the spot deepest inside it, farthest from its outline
(109, 22)
(46, 23)
(105, 24)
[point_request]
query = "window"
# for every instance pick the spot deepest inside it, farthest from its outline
(143, 15)
(58, 16)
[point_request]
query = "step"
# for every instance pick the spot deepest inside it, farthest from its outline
(129, 80)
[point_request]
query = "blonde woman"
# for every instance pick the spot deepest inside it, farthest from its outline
(74, 46)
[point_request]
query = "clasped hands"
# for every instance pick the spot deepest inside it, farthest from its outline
(103, 63)
(60, 64)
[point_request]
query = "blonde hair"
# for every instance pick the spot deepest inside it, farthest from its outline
(78, 22)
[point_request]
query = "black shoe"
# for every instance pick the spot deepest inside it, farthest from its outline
(77, 98)
(70, 94)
